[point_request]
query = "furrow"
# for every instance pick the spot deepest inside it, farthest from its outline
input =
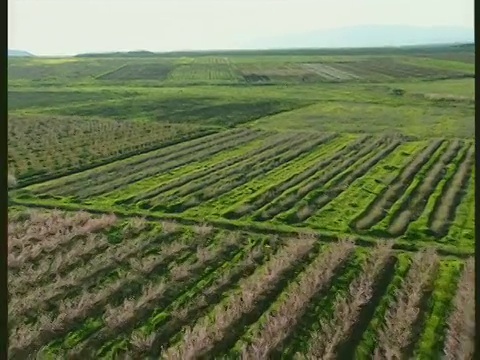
(210, 330)
(296, 207)
(177, 183)
(444, 212)
(420, 229)
(264, 199)
(459, 342)
(112, 332)
(376, 211)
(138, 161)
(189, 313)
(444, 289)
(252, 165)
(369, 337)
(72, 313)
(158, 165)
(412, 208)
(27, 246)
(321, 201)
(397, 336)
(325, 343)
(276, 325)
(231, 183)
(98, 269)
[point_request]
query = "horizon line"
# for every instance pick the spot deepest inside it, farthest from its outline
(220, 50)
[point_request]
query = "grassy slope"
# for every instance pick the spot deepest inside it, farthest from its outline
(422, 119)
(453, 87)
(75, 86)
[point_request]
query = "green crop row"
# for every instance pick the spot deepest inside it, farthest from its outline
(420, 227)
(350, 203)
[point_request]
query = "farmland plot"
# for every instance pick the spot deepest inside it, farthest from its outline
(464, 57)
(386, 68)
(155, 71)
(53, 70)
(198, 110)
(148, 164)
(265, 72)
(370, 185)
(60, 145)
(211, 60)
(215, 71)
(330, 73)
(37, 99)
(408, 194)
(96, 286)
(326, 219)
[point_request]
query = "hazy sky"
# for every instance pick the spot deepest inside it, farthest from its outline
(67, 27)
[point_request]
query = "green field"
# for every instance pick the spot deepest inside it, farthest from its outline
(276, 204)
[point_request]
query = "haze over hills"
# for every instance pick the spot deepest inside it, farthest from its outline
(368, 36)
(19, 53)
(363, 36)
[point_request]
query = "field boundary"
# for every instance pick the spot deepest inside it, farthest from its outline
(250, 227)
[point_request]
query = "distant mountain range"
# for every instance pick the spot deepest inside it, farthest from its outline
(136, 53)
(19, 53)
(368, 36)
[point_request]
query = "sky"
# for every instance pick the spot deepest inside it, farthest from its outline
(68, 27)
